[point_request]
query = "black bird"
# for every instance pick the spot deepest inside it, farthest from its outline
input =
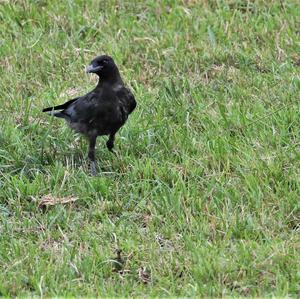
(103, 111)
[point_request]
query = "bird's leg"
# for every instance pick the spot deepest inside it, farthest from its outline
(91, 154)
(110, 143)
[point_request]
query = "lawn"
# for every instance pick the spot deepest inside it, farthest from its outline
(203, 194)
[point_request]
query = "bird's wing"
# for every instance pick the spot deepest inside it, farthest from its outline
(126, 99)
(93, 106)
(60, 107)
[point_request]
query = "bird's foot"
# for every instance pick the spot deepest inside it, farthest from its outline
(110, 144)
(93, 168)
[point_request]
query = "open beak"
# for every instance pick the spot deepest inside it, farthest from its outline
(92, 69)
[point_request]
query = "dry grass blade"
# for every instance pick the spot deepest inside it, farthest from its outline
(144, 275)
(49, 200)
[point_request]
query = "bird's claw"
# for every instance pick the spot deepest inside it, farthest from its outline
(93, 168)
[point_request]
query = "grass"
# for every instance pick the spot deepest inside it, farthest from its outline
(203, 197)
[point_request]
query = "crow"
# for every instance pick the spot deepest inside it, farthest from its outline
(103, 111)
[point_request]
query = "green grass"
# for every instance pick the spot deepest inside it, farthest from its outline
(204, 192)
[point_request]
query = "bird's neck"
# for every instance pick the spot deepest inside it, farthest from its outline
(111, 78)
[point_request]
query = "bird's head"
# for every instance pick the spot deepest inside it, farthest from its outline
(104, 66)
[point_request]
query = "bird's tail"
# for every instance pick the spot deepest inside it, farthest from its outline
(55, 113)
(51, 109)
(60, 107)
